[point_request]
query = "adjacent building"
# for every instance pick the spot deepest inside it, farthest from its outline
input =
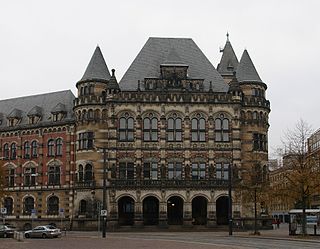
(167, 134)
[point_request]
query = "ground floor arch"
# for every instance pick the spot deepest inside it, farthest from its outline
(126, 211)
(199, 210)
(175, 210)
(222, 206)
(150, 211)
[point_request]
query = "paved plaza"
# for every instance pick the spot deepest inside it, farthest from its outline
(278, 239)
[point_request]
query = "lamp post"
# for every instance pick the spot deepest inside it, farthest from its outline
(230, 198)
(104, 195)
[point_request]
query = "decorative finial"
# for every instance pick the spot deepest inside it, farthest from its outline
(113, 70)
(227, 36)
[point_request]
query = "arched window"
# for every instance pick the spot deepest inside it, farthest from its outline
(80, 173)
(198, 129)
(8, 204)
(26, 149)
(13, 151)
(28, 205)
(54, 175)
(53, 205)
(59, 147)
(34, 149)
(174, 129)
(6, 151)
(126, 128)
(51, 147)
(150, 129)
(30, 176)
(86, 90)
(88, 174)
(222, 129)
(83, 207)
(90, 114)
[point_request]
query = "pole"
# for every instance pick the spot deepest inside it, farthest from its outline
(104, 200)
(255, 211)
(230, 199)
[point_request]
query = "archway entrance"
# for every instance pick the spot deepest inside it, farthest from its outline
(175, 210)
(150, 211)
(126, 211)
(199, 210)
(222, 206)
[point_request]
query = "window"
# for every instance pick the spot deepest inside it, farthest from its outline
(126, 170)
(83, 207)
(10, 177)
(174, 129)
(80, 173)
(53, 205)
(126, 128)
(54, 175)
(51, 147)
(6, 151)
(86, 141)
(222, 129)
(150, 170)
(13, 151)
(34, 149)
(28, 205)
(198, 171)
(8, 204)
(88, 173)
(30, 176)
(26, 150)
(198, 129)
(260, 142)
(150, 129)
(175, 170)
(222, 171)
(59, 147)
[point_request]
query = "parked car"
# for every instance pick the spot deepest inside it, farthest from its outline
(7, 230)
(43, 232)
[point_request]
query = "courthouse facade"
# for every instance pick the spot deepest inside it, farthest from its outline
(171, 129)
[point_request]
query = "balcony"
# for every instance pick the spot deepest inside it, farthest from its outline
(173, 183)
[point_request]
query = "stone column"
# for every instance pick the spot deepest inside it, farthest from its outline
(187, 216)
(163, 218)
(211, 215)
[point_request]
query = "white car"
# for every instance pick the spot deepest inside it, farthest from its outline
(43, 232)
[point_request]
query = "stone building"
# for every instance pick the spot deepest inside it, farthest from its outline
(170, 129)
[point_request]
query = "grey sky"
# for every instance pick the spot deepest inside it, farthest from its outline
(46, 45)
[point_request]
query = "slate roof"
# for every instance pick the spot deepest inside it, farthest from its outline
(246, 70)
(156, 51)
(113, 83)
(229, 61)
(23, 106)
(97, 68)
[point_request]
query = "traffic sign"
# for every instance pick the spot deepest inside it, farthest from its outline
(103, 212)
(3, 210)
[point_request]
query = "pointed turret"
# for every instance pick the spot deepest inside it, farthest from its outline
(246, 71)
(113, 83)
(229, 61)
(97, 68)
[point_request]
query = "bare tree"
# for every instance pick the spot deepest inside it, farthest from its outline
(301, 171)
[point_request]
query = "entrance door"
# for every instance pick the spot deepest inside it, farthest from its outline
(199, 210)
(222, 206)
(126, 211)
(175, 210)
(150, 211)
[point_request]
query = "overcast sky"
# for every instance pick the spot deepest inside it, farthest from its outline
(45, 46)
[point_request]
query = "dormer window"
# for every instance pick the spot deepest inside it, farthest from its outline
(58, 112)
(35, 115)
(14, 117)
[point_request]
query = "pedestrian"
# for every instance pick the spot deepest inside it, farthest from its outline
(278, 223)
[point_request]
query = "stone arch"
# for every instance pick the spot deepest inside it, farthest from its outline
(222, 207)
(199, 205)
(175, 209)
(126, 208)
(150, 206)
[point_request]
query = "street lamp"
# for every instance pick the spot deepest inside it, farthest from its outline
(230, 198)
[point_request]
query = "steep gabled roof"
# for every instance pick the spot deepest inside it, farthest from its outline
(97, 68)
(156, 52)
(229, 61)
(246, 70)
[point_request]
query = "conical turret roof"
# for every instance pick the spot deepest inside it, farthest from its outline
(246, 70)
(97, 68)
(229, 61)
